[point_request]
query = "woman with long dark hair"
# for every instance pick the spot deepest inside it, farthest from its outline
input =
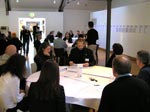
(45, 53)
(11, 74)
(46, 95)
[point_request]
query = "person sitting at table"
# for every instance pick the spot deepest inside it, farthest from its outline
(60, 50)
(79, 38)
(67, 37)
(59, 42)
(142, 60)
(9, 51)
(46, 95)
(126, 93)
(11, 74)
(117, 50)
(44, 53)
(15, 41)
(50, 37)
(80, 54)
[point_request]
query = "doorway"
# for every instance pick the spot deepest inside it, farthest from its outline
(30, 22)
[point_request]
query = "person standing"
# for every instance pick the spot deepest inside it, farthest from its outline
(126, 93)
(26, 37)
(92, 34)
(35, 30)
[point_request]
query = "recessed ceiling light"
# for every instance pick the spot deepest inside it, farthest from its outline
(54, 1)
(17, 1)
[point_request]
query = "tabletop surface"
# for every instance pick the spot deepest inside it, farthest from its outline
(85, 90)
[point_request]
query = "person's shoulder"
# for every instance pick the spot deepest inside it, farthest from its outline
(88, 50)
(61, 87)
(147, 68)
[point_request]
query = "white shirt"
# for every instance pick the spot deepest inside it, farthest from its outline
(9, 91)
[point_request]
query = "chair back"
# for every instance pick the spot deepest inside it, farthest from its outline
(33, 67)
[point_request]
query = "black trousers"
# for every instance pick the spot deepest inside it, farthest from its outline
(26, 46)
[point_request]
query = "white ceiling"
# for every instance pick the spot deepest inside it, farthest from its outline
(92, 5)
(48, 4)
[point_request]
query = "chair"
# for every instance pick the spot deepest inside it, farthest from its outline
(94, 48)
(33, 67)
(61, 56)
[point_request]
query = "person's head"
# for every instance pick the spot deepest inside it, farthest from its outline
(59, 35)
(121, 65)
(45, 48)
(23, 27)
(117, 49)
(67, 35)
(49, 73)
(78, 32)
(10, 50)
(13, 35)
(15, 65)
(48, 80)
(70, 32)
(90, 24)
(143, 58)
(51, 33)
(81, 44)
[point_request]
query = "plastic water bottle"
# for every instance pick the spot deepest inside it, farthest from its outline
(79, 70)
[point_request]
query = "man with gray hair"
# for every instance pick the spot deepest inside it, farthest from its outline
(142, 60)
(125, 93)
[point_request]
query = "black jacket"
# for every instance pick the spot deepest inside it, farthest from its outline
(125, 94)
(79, 56)
(92, 36)
(39, 59)
(145, 74)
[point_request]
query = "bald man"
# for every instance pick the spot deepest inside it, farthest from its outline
(125, 93)
(9, 51)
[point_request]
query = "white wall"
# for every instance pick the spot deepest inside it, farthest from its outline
(65, 21)
(54, 20)
(3, 18)
(130, 27)
(76, 20)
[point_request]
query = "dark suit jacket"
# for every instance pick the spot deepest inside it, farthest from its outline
(56, 104)
(79, 56)
(125, 94)
(145, 74)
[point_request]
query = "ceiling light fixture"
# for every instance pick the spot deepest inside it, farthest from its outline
(78, 3)
(54, 1)
(17, 1)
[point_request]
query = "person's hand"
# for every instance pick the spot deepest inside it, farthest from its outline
(22, 91)
(85, 64)
(71, 63)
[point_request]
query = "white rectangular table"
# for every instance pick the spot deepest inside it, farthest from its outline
(81, 90)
